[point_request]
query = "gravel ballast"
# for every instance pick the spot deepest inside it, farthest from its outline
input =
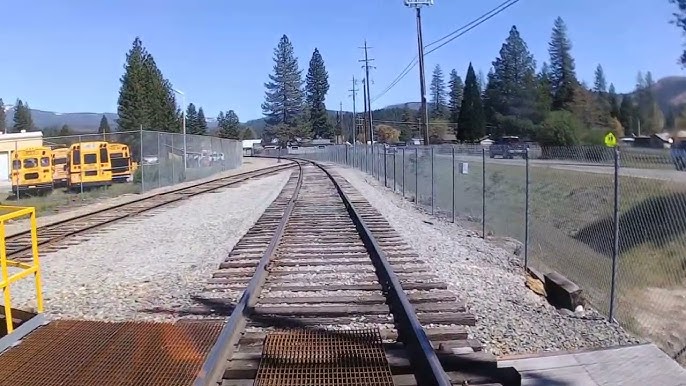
(149, 262)
(511, 319)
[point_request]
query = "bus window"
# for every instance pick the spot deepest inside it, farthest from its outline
(30, 163)
(60, 161)
(90, 159)
(76, 157)
(103, 155)
(45, 162)
(16, 164)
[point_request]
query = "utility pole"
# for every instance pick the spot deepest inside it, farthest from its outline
(354, 94)
(417, 4)
(364, 92)
(368, 100)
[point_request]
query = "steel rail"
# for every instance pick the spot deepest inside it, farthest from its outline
(212, 369)
(410, 331)
(231, 180)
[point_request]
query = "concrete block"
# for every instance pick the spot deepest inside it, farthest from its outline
(561, 292)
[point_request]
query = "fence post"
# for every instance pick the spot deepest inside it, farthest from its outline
(394, 178)
(432, 180)
(403, 172)
(615, 238)
(483, 193)
(142, 166)
(81, 163)
(526, 211)
(453, 187)
(172, 159)
(385, 175)
(416, 175)
(159, 162)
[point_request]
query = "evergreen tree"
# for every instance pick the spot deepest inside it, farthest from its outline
(456, 88)
(545, 92)
(146, 98)
(247, 134)
(408, 119)
(22, 117)
(191, 119)
(437, 89)
(104, 125)
(65, 130)
(3, 117)
(600, 84)
(511, 90)
(627, 113)
(200, 123)
(562, 75)
(471, 123)
(680, 21)
(316, 87)
(614, 101)
(284, 96)
(229, 125)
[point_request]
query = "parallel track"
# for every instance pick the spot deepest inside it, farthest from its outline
(319, 257)
(63, 234)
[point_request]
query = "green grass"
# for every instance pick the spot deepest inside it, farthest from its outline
(60, 199)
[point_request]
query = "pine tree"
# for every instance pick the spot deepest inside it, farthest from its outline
(437, 89)
(545, 92)
(200, 123)
(680, 21)
(146, 98)
(407, 129)
(316, 87)
(563, 79)
(627, 113)
(65, 130)
(22, 117)
(3, 117)
(191, 119)
(229, 125)
(247, 134)
(471, 123)
(600, 84)
(456, 90)
(511, 90)
(104, 125)
(614, 101)
(284, 96)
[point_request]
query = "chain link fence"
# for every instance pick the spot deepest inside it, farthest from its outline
(157, 160)
(612, 221)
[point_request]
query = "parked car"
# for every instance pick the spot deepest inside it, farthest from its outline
(508, 147)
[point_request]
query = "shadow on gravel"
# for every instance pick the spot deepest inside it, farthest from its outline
(461, 366)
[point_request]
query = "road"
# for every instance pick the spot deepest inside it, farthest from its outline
(656, 174)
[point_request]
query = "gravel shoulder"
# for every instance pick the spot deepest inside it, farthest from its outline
(149, 261)
(511, 319)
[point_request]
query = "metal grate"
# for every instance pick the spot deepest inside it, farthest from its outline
(323, 358)
(80, 353)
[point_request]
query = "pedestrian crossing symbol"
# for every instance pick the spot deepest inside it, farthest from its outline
(610, 140)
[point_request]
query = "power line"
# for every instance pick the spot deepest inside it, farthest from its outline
(460, 32)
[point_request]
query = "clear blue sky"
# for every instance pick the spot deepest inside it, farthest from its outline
(68, 55)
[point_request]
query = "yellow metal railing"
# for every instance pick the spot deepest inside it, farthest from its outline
(25, 269)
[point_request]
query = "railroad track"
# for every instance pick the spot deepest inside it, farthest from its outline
(75, 230)
(322, 291)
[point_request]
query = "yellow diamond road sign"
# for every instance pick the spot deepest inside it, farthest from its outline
(610, 140)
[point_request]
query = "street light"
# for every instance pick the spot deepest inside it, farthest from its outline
(183, 127)
(417, 4)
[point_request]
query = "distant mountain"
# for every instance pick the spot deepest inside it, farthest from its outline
(79, 122)
(670, 92)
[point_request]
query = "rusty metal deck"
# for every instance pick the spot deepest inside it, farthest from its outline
(86, 353)
(323, 358)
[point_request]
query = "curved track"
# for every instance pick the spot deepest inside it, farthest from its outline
(321, 263)
(61, 234)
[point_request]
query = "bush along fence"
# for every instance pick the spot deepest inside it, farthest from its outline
(612, 220)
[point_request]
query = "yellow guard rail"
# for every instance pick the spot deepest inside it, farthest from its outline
(11, 213)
